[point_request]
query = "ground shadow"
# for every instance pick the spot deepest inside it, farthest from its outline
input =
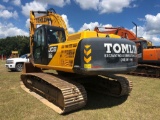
(97, 100)
(14, 71)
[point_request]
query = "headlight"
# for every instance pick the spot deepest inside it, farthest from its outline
(9, 61)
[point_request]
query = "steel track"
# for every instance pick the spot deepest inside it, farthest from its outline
(66, 96)
(147, 71)
(111, 85)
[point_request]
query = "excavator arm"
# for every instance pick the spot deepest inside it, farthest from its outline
(124, 33)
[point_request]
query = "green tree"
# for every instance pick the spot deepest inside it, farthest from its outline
(16, 43)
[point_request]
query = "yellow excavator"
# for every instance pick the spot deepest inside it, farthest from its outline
(14, 54)
(82, 60)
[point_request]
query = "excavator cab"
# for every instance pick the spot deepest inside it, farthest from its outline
(141, 44)
(141, 47)
(44, 37)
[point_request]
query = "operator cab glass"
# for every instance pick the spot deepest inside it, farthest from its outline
(144, 44)
(45, 36)
(141, 44)
(55, 35)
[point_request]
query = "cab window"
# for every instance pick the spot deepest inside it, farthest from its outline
(55, 36)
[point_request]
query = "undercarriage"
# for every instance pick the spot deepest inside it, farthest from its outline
(147, 71)
(67, 94)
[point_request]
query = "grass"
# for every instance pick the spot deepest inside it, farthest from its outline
(142, 104)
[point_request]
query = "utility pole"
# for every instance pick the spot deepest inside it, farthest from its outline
(136, 28)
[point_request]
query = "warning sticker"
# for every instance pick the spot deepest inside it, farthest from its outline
(87, 65)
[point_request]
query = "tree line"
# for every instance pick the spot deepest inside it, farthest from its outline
(16, 43)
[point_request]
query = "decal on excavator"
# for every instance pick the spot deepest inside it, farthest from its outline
(87, 65)
(43, 19)
(120, 48)
(122, 51)
(51, 51)
(87, 56)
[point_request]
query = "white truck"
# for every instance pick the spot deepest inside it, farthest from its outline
(16, 64)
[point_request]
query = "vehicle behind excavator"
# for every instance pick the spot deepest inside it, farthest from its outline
(148, 55)
(14, 54)
(81, 59)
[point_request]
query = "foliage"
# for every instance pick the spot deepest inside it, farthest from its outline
(16, 43)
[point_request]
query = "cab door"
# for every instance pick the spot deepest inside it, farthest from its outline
(40, 47)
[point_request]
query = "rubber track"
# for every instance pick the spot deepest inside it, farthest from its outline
(75, 96)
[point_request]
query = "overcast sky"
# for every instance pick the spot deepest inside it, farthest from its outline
(83, 14)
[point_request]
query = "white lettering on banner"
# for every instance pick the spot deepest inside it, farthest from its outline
(117, 48)
(124, 48)
(120, 55)
(126, 59)
(108, 46)
(120, 48)
(125, 52)
(131, 50)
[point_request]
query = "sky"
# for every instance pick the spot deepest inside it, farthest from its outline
(80, 15)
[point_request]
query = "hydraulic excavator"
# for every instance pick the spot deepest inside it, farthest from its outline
(148, 55)
(14, 54)
(85, 58)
